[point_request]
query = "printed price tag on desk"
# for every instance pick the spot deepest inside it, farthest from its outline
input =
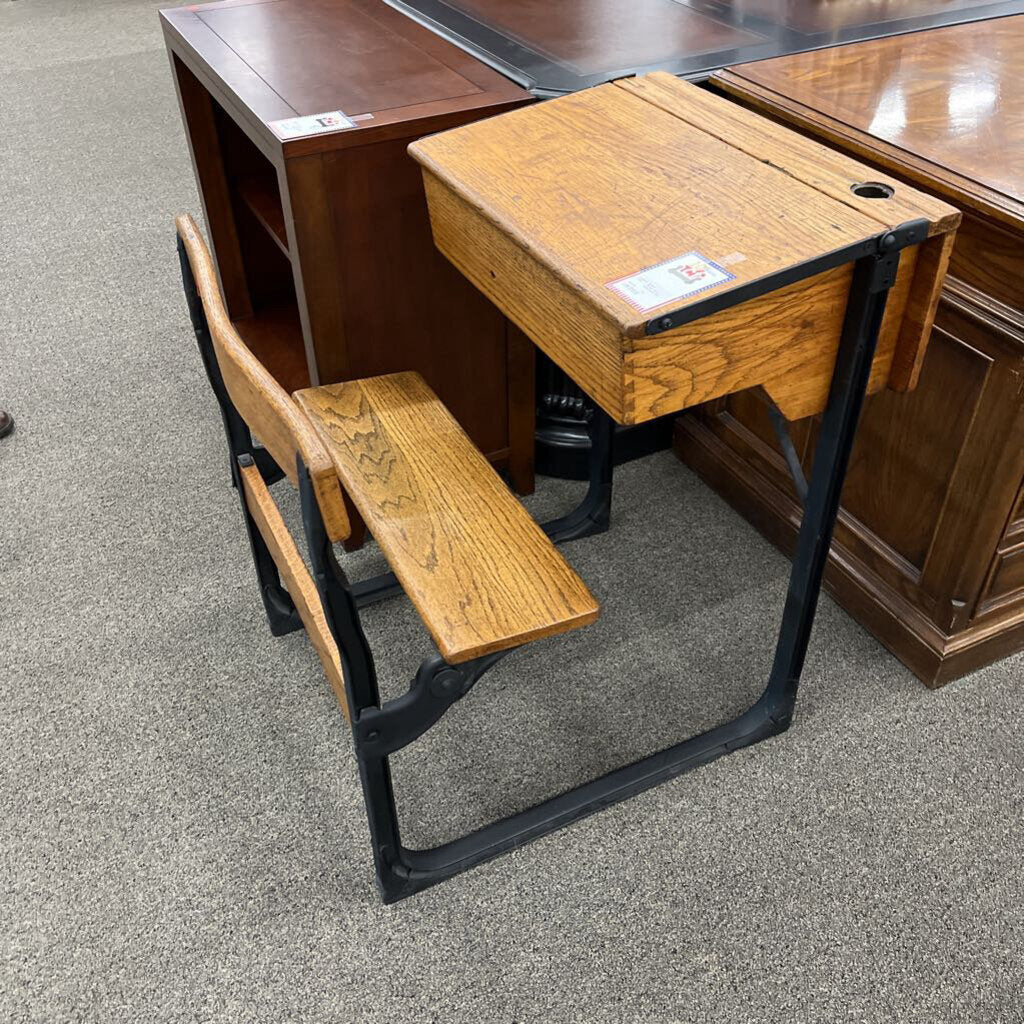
(311, 124)
(670, 281)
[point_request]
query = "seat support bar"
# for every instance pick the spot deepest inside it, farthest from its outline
(282, 615)
(789, 453)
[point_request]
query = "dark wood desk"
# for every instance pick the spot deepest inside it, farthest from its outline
(322, 242)
(929, 554)
(568, 45)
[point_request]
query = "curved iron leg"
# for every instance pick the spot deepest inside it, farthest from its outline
(379, 731)
(593, 514)
(402, 872)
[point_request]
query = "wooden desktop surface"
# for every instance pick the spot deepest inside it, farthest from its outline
(946, 107)
(265, 60)
(545, 207)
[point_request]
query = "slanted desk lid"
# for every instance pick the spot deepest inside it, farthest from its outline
(654, 199)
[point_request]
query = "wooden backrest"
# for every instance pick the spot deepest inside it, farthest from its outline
(266, 407)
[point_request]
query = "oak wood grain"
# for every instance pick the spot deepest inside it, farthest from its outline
(295, 575)
(543, 207)
(482, 574)
(791, 354)
(573, 332)
(258, 397)
(827, 170)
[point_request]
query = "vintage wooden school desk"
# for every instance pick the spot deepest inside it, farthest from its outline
(665, 247)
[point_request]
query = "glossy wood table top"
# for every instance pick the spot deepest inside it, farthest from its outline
(270, 60)
(557, 46)
(649, 236)
(945, 107)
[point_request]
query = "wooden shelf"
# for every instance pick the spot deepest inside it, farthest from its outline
(274, 335)
(260, 195)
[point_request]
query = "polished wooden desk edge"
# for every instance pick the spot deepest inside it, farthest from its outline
(205, 54)
(922, 173)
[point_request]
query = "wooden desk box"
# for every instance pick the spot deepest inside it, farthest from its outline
(553, 210)
(929, 550)
(322, 242)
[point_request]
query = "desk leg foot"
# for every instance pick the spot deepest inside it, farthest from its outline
(594, 513)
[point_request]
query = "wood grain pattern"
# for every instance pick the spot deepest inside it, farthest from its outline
(834, 174)
(943, 108)
(296, 578)
(258, 397)
(791, 354)
(482, 575)
(543, 207)
(556, 318)
(827, 170)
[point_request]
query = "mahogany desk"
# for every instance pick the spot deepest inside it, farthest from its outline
(929, 552)
(665, 246)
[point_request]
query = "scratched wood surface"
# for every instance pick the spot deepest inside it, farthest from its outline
(544, 207)
(482, 575)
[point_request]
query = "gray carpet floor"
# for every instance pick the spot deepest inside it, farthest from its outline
(182, 832)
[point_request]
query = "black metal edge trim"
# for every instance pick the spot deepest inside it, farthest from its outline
(909, 233)
(424, 868)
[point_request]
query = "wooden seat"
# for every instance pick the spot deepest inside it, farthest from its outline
(482, 574)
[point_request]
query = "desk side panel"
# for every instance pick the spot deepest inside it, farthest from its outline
(558, 320)
(785, 341)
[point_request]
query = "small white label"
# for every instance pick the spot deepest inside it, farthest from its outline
(670, 281)
(733, 257)
(313, 124)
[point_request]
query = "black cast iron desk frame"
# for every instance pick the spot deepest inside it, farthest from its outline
(380, 730)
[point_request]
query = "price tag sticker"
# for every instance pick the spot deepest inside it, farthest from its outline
(670, 281)
(312, 124)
